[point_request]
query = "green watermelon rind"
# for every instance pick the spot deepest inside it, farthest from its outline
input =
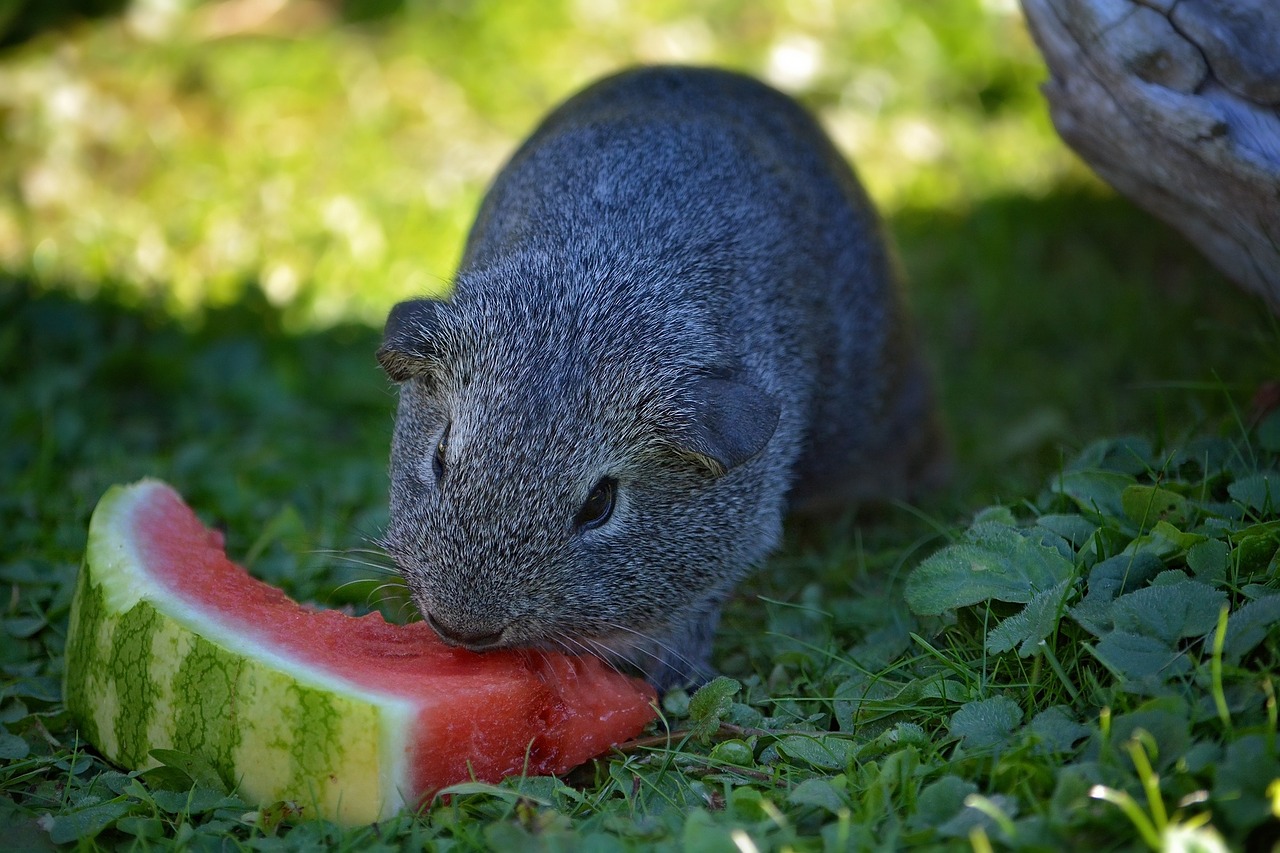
(147, 671)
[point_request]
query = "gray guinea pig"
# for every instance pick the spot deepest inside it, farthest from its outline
(675, 318)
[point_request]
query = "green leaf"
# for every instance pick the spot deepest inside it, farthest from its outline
(196, 768)
(997, 514)
(1165, 722)
(1211, 456)
(986, 723)
(1169, 612)
(1031, 624)
(86, 823)
(1141, 658)
(1164, 541)
(1128, 454)
(502, 835)
(1145, 505)
(23, 627)
(946, 689)
(197, 800)
(24, 830)
(502, 792)
(13, 711)
(703, 835)
(1096, 493)
(829, 794)
(1241, 781)
(146, 828)
(1000, 563)
(1076, 529)
(733, 751)
(1106, 580)
(941, 800)
(827, 752)
(115, 781)
(12, 747)
(745, 803)
(744, 715)
(1122, 573)
(893, 740)
(1056, 730)
(707, 707)
(1253, 553)
(162, 778)
(1265, 529)
(676, 702)
(1247, 627)
(969, 819)
(1072, 786)
(1026, 543)
(1208, 560)
(1200, 756)
(42, 689)
(1260, 492)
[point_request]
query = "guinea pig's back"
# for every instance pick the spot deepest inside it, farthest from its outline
(708, 193)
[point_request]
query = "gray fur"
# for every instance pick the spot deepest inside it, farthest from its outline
(679, 284)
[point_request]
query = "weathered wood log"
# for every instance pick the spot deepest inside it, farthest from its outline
(1176, 104)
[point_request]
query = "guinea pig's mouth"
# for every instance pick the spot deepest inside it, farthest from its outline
(511, 636)
(634, 651)
(477, 640)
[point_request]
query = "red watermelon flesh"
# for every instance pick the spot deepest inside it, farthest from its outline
(472, 716)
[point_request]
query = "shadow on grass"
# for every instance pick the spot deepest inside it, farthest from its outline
(284, 439)
(1059, 320)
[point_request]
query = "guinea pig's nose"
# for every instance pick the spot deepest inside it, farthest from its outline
(455, 636)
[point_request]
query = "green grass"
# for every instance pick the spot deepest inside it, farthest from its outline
(200, 236)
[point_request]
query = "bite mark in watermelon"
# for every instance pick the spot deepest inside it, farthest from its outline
(173, 646)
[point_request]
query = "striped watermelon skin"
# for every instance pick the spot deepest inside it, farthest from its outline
(170, 645)
(130, 679)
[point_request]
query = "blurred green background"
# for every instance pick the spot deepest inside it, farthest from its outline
(322, 160)
(206, 211)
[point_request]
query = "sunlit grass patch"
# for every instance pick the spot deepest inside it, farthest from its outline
(337, 167)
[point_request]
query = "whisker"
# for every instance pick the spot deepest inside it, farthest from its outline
(631, 655)
(414, 614)
(543, 654)
(379, 568)
(355, 582)
(671, 656)
(392, 592)
(376, 552)
(583, 645)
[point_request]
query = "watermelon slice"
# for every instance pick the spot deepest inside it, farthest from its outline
(171, 645)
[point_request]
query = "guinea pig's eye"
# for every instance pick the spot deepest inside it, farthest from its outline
(437, 462)
(598, 506)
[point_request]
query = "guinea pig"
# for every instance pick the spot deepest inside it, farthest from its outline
(675, 320)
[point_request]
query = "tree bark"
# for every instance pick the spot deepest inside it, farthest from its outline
(1176, 104)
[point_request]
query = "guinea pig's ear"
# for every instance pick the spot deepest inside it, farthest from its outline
(731, 422)
(409, 345)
